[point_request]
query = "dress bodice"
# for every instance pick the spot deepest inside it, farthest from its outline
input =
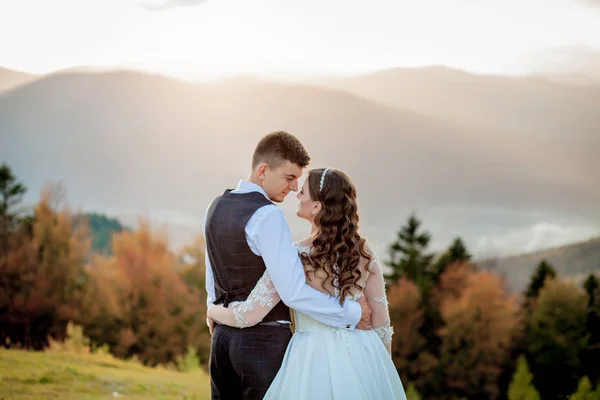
(305, 323)
(264, 297)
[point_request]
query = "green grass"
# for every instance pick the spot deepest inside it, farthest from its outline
(63, 375)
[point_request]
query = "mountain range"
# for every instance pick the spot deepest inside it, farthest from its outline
(575, 260)
(506, 163)
(10, 79)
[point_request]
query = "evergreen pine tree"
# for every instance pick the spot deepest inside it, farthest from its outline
(408, 257)
(521, 386)
(457, 252)
(543, 271)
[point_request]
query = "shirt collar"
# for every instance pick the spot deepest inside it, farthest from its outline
(245, 186)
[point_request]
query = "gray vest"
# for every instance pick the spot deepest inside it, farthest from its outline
(236, 269)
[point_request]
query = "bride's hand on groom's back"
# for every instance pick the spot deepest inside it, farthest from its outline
(210, 321)
(365, 318)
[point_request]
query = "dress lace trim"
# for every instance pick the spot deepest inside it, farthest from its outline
(385, 333)
(383, 300)
(261, 295)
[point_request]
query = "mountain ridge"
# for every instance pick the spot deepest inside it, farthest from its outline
(574, 261)
(138, 142)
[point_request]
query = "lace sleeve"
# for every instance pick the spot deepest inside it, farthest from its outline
(242, 314)
(377, 300)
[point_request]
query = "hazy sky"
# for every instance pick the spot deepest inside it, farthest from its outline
(221, 37)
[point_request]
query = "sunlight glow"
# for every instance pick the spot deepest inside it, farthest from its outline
(226, 37)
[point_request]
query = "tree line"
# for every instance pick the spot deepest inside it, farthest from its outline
(459, 333)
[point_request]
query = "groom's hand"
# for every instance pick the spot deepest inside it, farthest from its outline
(365, 318)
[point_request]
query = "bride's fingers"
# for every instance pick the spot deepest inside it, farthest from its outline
(211, 325)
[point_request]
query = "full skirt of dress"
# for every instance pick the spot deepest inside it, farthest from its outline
(336, 364)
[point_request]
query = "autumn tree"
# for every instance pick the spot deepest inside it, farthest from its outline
(21, 298)
(456, 254)
(453, 282)
(194, 275)
(479, 319)
(409, 354)
(42, 277)
(139, 304)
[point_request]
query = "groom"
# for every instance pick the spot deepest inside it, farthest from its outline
(247, 233)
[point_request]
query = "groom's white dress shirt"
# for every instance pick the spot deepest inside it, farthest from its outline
(268, 235)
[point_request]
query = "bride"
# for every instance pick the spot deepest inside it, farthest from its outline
(323, 362)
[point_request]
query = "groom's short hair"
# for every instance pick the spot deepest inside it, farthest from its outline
(277, 147)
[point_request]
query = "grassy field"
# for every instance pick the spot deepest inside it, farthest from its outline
(63, 375)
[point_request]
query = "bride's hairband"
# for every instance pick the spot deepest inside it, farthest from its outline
(323, 179)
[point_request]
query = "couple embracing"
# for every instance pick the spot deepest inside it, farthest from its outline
(330, 285)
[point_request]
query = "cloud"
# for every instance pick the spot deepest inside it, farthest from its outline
(168, 4)
(538, 236)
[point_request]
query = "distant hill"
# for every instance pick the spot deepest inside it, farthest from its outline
(527, 105)
(10, 79)
(102, 229)
(575, 261)
(143, 144)
(579, 79)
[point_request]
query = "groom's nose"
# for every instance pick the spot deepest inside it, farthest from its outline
(294, 185)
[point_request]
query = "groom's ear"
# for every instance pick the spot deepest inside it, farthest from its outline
(261, 170)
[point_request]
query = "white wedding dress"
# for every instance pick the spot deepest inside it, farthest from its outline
(324, 362)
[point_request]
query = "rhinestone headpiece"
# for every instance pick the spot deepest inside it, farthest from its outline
(323, 179)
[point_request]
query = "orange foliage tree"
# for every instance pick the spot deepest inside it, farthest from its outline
(42, 277)
(414, 364)
(194, 274)
(139, 304)
(479, 321)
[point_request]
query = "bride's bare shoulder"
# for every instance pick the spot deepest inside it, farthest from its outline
(305, 242)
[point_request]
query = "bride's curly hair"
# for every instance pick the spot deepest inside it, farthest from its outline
(337, 240)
